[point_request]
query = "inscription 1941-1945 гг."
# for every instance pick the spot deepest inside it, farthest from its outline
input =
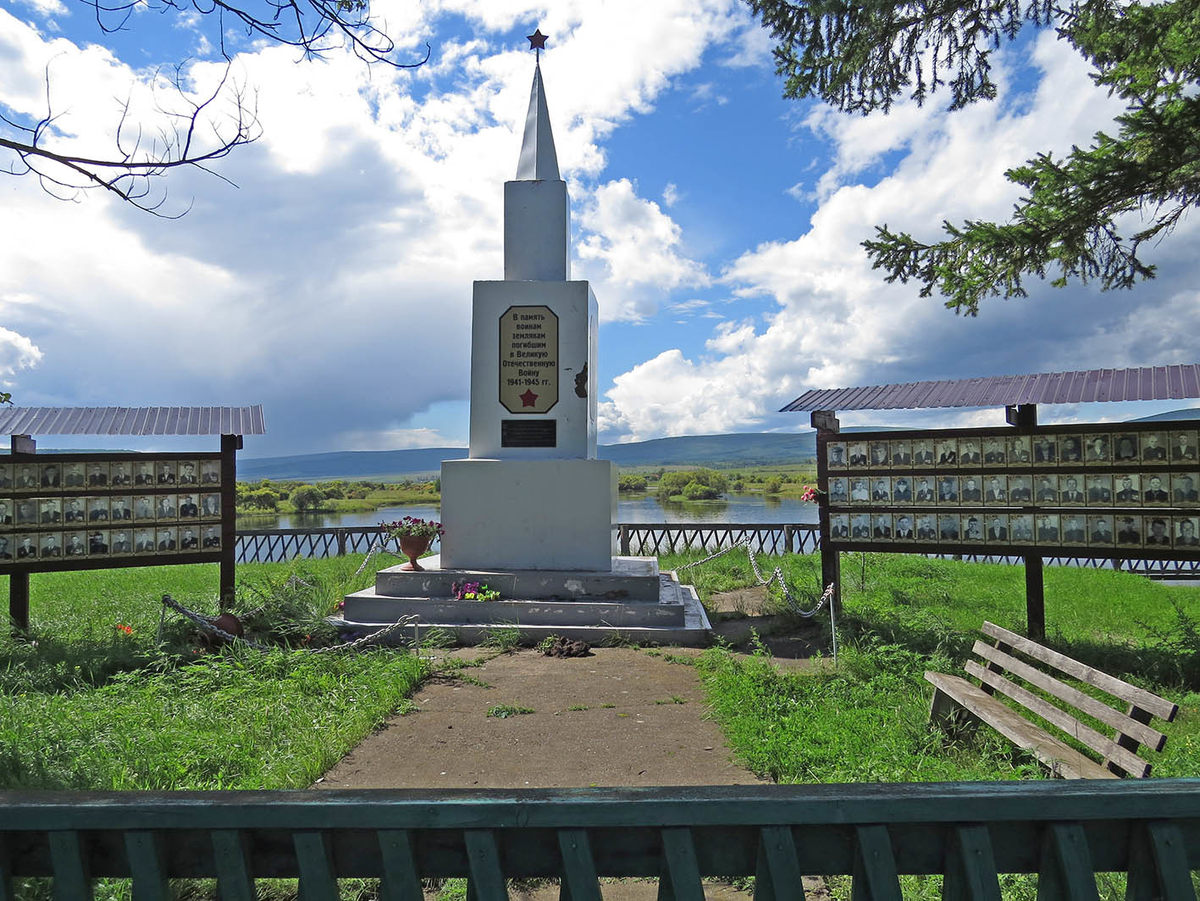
(528, 359)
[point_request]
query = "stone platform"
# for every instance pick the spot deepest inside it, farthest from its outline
(632, 601)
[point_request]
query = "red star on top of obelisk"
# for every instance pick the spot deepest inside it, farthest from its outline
(528, 399)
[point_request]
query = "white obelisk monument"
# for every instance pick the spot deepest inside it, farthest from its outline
(532, 495)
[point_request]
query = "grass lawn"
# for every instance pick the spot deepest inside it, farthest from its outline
(867, 718)
(88, 705)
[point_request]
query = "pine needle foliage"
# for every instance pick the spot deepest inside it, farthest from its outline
(861, 57)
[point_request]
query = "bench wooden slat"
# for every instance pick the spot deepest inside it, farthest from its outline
(580, 882)
(778, 870)
(1126, 760)
(1160, 707)
(1059, 756)
(970, 866)
(314, 859)
(483, 862)
(874, 877)
(230, 854)
(6, 890)
(1123, 723)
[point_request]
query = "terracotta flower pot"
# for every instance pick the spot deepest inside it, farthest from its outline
(413, 546)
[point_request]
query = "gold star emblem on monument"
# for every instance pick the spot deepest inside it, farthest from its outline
(537, 40)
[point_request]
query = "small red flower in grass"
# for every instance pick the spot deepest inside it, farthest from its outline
(121, 627)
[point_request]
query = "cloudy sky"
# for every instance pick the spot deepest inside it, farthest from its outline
(329, 278)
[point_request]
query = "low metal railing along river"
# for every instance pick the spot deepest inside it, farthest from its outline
(1064, 832)
(269, 545)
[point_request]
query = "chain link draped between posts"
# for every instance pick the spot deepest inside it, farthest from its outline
(793, 604)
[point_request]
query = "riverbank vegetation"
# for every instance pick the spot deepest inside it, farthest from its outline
(338, 496)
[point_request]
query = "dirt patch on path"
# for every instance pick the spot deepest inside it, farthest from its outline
(654, 732)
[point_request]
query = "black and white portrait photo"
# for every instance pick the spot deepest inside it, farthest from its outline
(1128, 488)
(27, 512)
(947, 489)
(97, 542)
(926, 527)
(880, 490)
(836, 454)
(1155, 491)
(1157, 534)
(839, 525)
(26, 547)
(75, 544)
(968, 452)
(924, 493)
(1154, 447)
(1129, 530)
(1125, 448)
(51, 476)
(6, 514)
(1019, 449)
(97, 509)
(946, 451)
(995, 489)
(1183, 447)
(1045, 450)
(6, 477)
(1184, 488)
(839, 493)
(860, 527)
(167, 540)
(901, 453)
(972, 528)
(164, 473)
(923, 453)
(1071, 492)
(881, 527)
(1021, 528)
(50, 511)
(25, 478)
(948, 527)
(144, 473)
(189, 474)
(210, 472)
(188, 508)
(902, 490)
(1186, 529)
(1020, 491)
(1070, 450)
(1099, 489)
(165, 506)
(904, 528)
(73, 476)
(212, 539)
(1047, 528)
(971, 492)
(997, 528)
(1097, 450)
(994, 453)
(120, 508)
(74, 510)
(210, 504)
(121, 474)
(187, 539)
(97, 475)
(879, 454)
(1046, 491)
(143, 541)
(860, 492)
(1100, 530)
(858, 454)
(143, 507)
(50, 545)
(122, 541)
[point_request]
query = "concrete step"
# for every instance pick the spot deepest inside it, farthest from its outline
(630, 579)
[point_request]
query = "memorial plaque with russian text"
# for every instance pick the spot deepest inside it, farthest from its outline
(528, 359)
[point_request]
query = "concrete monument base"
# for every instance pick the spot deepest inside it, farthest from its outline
(506, 515)
(631, 600)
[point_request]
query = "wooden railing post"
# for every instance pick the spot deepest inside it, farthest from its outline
(624, 538)
(341, 542)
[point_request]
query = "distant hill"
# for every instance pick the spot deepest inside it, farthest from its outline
(1189, 413)
(744, 449)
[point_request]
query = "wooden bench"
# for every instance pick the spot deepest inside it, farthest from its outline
(1119, 752)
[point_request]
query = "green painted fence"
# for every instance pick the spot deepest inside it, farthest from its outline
(1063, 831)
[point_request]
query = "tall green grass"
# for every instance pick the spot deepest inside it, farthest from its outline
(86, 705)
(867, 718)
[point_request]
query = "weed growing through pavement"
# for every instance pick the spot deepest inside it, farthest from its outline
(504, 711)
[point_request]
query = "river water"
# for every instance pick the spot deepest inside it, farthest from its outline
(640, 507)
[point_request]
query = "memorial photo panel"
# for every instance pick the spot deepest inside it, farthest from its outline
(6, 477)
(1155, 490)
(1187, 532)
(122, 542)
(904, 530)
(1156, 531)
(1070, 450)
(75, 543)
(1020, 450)
(120, 474)
(970, 490)
(994, 452)
(1183, 447)
(946, 452)
(836, 455)
(902, 492)
(1127, 488)
(1125, 448)
(858, 453)
(972, 528)
(210, 504)
(1099, 489)
(901, 453)
(924, 490)
(1098, 449)
(1185, 488)
(7, 508)
(1047, 529)
(1101, 530)
(995, 489)
(1129, 530)
(926, 527)
(860, 526)
(968, 452)
(1045, 450)
(839, 525)
(881, 527)
(997, 531)
(879, 454)
(923, 453)
(860, 491)
(839, 492)
(1021, 527)
(1154, 448)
